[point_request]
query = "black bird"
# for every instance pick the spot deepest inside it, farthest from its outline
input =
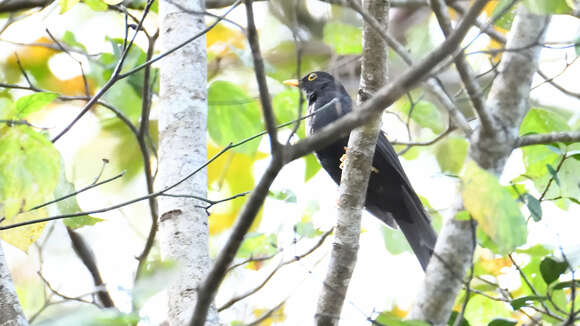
(390, 196)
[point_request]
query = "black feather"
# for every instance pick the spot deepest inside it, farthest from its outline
(390, 196)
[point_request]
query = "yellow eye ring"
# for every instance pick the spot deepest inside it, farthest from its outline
(312, 77)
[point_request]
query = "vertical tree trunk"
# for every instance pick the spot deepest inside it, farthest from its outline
(10, 311)
(182, 149)
(355, 177)
(507, 104)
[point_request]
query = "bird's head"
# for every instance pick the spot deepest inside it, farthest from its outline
(313, 82)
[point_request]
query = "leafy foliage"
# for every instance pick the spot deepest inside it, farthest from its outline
(233, 116)
(346, 39)
(497, 214)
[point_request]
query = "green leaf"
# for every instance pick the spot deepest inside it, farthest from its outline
(536, 158)
(453, 317)
(534, 207)
(69, 39)
(32, 103)
(395, 241)
(116, 143)
(551, 269)
(535, 251)
(424, 113)
(451, 154)
(345, 38)
(258, 244)
(135, 57)
(539, 120)
(70, 205)
(285, 195)
(462, 215)
(65, 5)
(518, 303)
(553, 173)
(233, 116)
(389, 318)
(89, 316)
(548, 7)
(506, 20)
(285, 105)
(96, 5)
(306, 229)
(566, 284)
(502, 322)
(312, 166)
(496, 212)
(29, 169)
(482, 310)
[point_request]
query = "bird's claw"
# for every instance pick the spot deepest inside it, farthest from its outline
(343, 159)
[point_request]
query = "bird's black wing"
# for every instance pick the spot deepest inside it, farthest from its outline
(385, 156)
(390, 191)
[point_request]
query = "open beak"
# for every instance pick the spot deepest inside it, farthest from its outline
(291, 82)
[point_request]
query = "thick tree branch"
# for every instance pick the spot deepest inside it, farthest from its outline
(183, 227)
(554, 137)
(509, 94)
(355, 176)
(209, 286)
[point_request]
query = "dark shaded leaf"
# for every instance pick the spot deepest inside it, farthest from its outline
(518, 303)
(566, 284)
(454, 315)
(551, 269)
(553, 173)
(502, 322)
(534, 207)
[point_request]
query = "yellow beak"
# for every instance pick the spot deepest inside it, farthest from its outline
(291, 82)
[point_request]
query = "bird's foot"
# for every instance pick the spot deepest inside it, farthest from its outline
(343, 159)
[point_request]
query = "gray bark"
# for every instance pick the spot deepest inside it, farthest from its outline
(507, 104)
(355, 176)
(10, 311)
(183, 148)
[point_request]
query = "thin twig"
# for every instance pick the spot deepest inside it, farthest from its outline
(240, 297)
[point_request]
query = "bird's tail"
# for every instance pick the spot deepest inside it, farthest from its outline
(419, 233)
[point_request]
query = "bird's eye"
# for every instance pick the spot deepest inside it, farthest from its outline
(312, 77)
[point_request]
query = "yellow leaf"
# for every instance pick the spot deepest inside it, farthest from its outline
(65, 5)
(399, 312)
(32, 55)
(229, 175)
(112, 2)
(22, 237)
(490, 7)
(496, 47)
(220, 38)
(494, 266)
(277, 316)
